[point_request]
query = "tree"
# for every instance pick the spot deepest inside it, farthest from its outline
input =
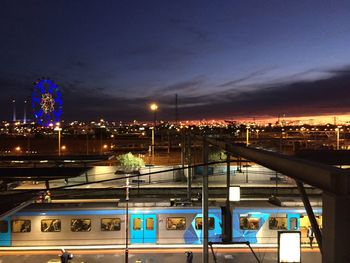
(130, 163)
(217, 156)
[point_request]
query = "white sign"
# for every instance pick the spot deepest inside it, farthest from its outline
(289, 249)
(235, 193)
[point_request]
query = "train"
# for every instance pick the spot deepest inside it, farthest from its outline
(102, 224)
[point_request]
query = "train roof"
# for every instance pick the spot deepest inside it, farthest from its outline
(108, 207)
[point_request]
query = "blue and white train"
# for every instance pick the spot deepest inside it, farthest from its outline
(54, 224)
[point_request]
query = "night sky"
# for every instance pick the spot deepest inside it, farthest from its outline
(224, 59)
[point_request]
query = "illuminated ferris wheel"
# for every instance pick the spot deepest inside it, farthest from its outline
(46, 102)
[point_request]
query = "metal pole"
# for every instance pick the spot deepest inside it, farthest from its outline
(212, 252)
(169, 142)
(153, 144)
(310, 214)
(87, 142)
(228, 183)
(182, 154)
(14, 111)
(247, 136)
(189, 170)
(101, 149)
(59, 141)
(205, 203)
(154, 133)
(338, 130)
(127, 222)
(25, 112)
(251, 249)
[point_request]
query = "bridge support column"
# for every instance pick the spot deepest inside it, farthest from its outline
(336, 229)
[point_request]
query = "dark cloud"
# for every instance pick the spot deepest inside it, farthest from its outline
(323, 96)
(188, 86)
(86, 101)
(250, 76)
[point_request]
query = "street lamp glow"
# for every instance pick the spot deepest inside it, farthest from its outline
(153, 107)
(57, 128)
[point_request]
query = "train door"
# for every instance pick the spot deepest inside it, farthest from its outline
(143, 229)
(5, 232)
(293, 221)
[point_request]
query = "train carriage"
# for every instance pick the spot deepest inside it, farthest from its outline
(51, 224)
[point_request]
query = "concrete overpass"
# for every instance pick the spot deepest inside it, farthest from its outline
(334, 182)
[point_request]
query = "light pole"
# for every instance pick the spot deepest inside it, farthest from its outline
(127, 221)
(338, 135)
(247, 136)
(154, 107)
(57, 128)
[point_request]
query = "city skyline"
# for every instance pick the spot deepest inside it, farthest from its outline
(227, 60)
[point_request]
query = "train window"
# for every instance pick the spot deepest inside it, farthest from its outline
(248, 223)
(305, 222)
(199, 223)
(3, 226)
(176, 223)
(51, 225)
(137, 223)
(80, 225)
(277, 223)
(21, 226)
(149, 224)
(110, 224)
(293, 222)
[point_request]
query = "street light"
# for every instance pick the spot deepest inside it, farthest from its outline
(338, 136)
(153, 107)
(127, 186)
(18, 149)
(247, 136)
(57, 128)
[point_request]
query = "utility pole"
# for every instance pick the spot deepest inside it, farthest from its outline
(176, 111)
(226, 211)
(189, 171)
(228, 183)
(338, 136)
(25, 113)
(247, 136)
(14, 110)
(205, 203)
(127, 221)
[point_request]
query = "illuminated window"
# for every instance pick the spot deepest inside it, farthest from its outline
(50, 225)
(249, 223)
(305, 222)
(277, 223)
(211, 222)
(149, 224)
(176, 223)
(3, 226)
(293, 223)
(21, 226)
(81, 225)
(110, 224)
(137, 223)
